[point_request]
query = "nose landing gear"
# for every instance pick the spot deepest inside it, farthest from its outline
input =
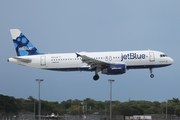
(96, 77)
(152, 75)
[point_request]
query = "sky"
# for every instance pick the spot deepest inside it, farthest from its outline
(69, 26)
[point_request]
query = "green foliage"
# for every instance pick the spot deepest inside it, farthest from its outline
(122, 109)
(177, 111)
(137, 110)
(10, 105)
(175, 100)
(74, 109)
(170, 109)
(65, 104)
(156, 104)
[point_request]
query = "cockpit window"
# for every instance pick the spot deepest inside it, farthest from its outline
(163, 55)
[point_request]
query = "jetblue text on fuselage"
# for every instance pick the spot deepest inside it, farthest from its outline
(132, 56)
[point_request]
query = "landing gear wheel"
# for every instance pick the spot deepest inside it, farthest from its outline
(96, 77)
(152, 75)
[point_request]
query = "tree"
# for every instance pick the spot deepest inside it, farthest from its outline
(65, 104)
(177, 112)
(122, 109)
(175, 100)
(170, 109)
(74, 110)
(31, 98)
(156, 104)
(8, 105)
(137, 110)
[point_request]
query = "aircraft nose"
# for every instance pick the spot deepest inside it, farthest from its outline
(171, 61)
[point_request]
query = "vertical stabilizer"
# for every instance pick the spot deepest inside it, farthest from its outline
(22, 45)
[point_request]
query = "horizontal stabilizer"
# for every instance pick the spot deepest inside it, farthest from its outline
(23, 59)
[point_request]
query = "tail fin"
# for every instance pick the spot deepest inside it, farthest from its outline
(22, 45)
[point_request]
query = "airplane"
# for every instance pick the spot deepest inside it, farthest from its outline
(110, 63)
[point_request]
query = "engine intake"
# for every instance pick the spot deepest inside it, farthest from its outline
(114, 69)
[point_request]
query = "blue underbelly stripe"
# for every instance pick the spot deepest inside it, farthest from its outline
(87, 68)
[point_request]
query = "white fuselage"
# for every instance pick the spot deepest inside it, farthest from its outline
(110, 63)
(70, 61)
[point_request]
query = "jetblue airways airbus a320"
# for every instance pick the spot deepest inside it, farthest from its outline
(110, 63)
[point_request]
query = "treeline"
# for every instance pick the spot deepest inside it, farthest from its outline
(10, 105)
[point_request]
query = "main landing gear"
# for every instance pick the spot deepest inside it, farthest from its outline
(96, 76)
(152, 75)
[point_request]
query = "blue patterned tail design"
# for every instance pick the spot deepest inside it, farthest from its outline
(23, 46)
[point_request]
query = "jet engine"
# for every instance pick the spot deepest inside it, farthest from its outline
(114, 69)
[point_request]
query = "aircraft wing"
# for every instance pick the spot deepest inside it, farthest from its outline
(22, 59)
(93, 62)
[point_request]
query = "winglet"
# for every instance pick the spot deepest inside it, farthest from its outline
(78, 54)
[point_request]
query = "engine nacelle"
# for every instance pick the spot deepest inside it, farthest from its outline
(114, 69)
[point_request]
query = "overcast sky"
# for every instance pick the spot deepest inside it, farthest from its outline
(62, 26)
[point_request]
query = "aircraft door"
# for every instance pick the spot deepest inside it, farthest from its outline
(151, 57)
(43, 60)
